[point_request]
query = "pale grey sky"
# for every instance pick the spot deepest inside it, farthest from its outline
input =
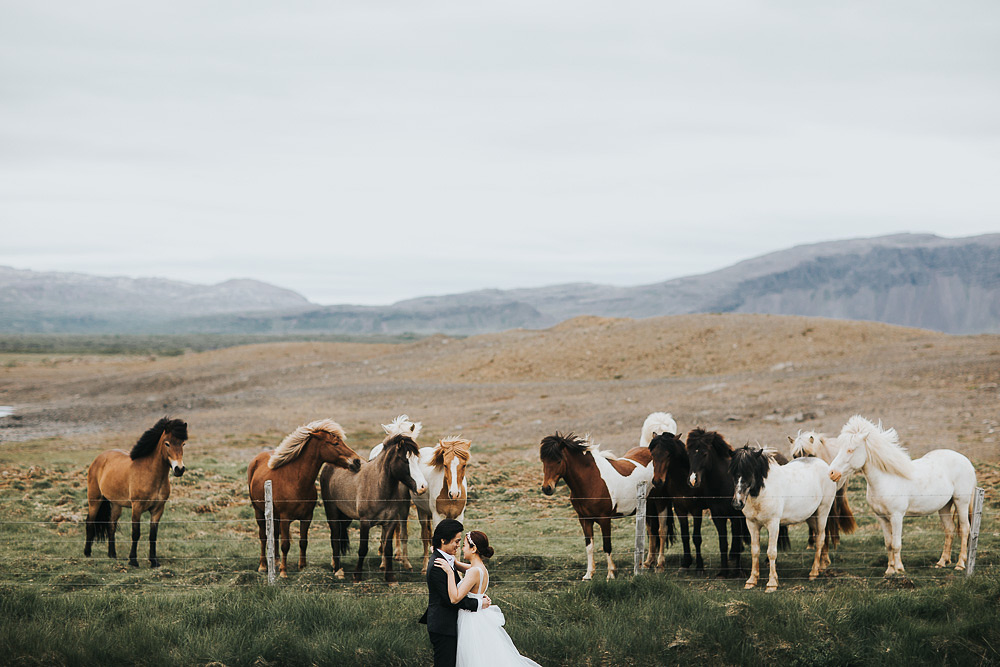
(370, 152)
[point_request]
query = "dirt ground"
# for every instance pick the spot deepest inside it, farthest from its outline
(754, 378)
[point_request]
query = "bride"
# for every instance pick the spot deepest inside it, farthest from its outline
(481, 637)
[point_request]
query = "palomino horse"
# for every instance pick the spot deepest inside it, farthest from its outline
(377, 495)
(941, 481)
(771, 495)
(140, 480)
(601, 486)
(292, 469)
(819, 445)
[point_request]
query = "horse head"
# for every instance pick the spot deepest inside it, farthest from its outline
(748, 467)
(809, 443)
(173, 438)
(853, 452)
(666, 449)
(333, 449)
(705, 449)
(452, 454)
(552, 453)
(402, 459)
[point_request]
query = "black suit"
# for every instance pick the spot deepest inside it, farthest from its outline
(441, 616)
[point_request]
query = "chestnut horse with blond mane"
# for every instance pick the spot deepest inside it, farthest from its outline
(292, 469)
(140, 480)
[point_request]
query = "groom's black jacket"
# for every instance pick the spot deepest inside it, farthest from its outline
(441, 615)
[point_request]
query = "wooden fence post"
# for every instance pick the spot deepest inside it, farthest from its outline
(640, 524)
(977, 517)
(269, 529)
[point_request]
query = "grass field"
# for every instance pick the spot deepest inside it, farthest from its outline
(207, 604)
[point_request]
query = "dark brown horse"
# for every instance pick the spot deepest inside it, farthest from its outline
(140, 480)
(378, 495)
(292, 469)
(602, 487)
(670, 475)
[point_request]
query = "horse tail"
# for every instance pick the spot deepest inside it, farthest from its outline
(103, 530)
(784, 542)
(842, 513)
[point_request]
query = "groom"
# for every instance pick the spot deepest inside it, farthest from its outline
(441, 616)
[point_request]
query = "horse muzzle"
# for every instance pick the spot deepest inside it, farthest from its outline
(738, 504)
(659, 482)
(835, 475)
(694, 480)
(178, 470)
(548, 489)
(355, 465)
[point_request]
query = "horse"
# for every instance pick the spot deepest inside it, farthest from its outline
(139, 479)
(941, 481)
(816, 444)
(444, 468)
(772, 495)
(670, 475)
(292, 469)
(379, 494)
(709, 456)
(659, 505)
(602, 486)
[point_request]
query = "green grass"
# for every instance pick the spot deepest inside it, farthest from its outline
(207, 603)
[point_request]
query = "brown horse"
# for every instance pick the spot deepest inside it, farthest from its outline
(601, 486)
(292, 469)
(139, 479)
(378, 495)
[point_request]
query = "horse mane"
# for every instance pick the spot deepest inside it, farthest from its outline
(402, 425)
(402, 442)
(719, 446)
(147, 442)
(655, 424)
(553, 445)
(453, 445)
(820, 445)
(752, 464)
(292, 445)
(884, 450)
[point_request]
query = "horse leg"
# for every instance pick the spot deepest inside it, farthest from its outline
(403, 542)
(154, 527)
(262, 533)
(738, 531)
(303, 541)
(605, 524)
(132, 554)
(665, 531)
(948, 523)
(887, 535)
(93, 512)
(819, 526)
(425, 537)
(722, 526)
(773, 527)
(285, 527)
(963, 509)
(388, 531)
(686, 560)
(588, 541)
(651, 540)
(754, 554)
(116, 512)
(897, 540)
(699, 564)
(362, 551)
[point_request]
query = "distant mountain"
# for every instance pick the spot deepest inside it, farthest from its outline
(33, 302)
(918, 280)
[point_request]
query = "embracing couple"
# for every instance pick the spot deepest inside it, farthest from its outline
(465, 627)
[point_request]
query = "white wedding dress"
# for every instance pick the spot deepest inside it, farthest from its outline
(481, 637)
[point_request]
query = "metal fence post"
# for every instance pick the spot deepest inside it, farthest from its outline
(977, 516)
(640, 524)
(269, 528)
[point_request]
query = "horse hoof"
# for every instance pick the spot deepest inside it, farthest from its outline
(959, 567)
(154, 563)
(750, 586)
(339, 574)
(393, 584)
(283, 574)
(262, 568)
(587, 577)
(771, 589)
(133, 562)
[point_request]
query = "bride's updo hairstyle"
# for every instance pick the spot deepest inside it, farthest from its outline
(482, 543)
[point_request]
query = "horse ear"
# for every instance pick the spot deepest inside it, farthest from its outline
(791, 440)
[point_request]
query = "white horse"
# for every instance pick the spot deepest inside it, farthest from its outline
(824, 447)
(815, 444)
(941, 481)
(655, 424)
(772, 495)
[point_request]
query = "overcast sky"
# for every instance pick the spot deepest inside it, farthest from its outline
(367, 152)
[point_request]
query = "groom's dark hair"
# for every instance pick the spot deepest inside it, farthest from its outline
(446, 531)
